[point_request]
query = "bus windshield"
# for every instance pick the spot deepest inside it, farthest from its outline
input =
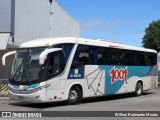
(26, 68)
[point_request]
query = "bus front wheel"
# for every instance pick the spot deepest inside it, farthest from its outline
(75, 95)
(138, 89)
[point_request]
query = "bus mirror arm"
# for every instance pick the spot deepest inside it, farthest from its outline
(5, 55)
(43, 55)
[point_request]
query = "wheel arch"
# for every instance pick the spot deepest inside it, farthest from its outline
(73, 85)
(140, 81)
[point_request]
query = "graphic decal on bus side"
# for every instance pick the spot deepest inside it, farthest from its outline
(118, 74)
(113, 81)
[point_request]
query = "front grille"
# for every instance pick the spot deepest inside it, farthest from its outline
(21, 91)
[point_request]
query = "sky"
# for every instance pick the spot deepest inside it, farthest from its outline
(122, 21)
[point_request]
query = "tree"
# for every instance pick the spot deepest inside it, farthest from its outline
(152, 36)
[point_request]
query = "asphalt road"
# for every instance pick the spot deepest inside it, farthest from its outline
(149, 101)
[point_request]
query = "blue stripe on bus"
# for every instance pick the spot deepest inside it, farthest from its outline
(139, 71)
(34, 85)
(29, 86)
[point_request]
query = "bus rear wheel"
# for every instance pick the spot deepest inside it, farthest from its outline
(75, 95)
(138, 89)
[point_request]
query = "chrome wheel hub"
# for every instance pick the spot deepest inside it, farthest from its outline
(139, 90)
(73, 95)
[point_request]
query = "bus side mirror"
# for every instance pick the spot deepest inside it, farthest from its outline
(5, 55)
(43, 55)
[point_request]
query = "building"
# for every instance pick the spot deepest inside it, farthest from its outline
(24, 20)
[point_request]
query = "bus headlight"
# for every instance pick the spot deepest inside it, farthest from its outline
(36, 89)
(39, 88)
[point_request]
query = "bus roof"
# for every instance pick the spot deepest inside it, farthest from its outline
(60, 40)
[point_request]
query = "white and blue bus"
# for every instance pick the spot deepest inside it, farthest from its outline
(60, 69)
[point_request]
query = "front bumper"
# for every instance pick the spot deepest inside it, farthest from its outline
(37, 97)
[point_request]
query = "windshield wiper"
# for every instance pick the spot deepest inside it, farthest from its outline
(18, 71)
(24, 74)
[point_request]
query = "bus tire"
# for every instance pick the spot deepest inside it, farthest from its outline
(138, 89)
(75, 95)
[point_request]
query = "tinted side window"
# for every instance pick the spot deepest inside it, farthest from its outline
(129, 58)
(151, 59)
(57, 60)
(155, 58)
(55, 67)
(140, 59)
(116, 57)
(100, 56)
(83, 56)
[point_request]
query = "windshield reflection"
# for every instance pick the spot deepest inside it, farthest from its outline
(26, 68)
